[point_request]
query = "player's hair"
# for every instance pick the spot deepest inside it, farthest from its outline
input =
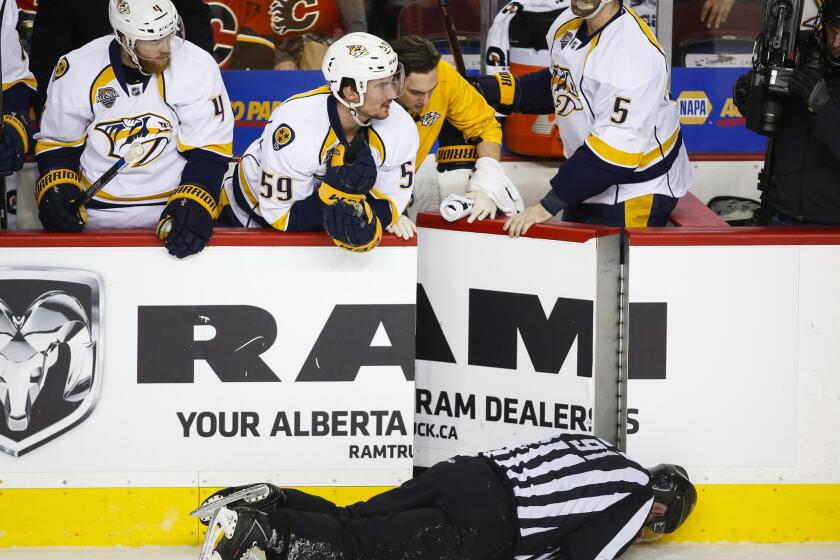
(416, 54)
(347, 82)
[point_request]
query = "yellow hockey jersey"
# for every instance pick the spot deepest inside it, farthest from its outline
(283, 168)
(459, 102)
(90, 106)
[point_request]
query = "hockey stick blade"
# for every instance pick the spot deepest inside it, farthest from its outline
(134, 153)
(252, 493)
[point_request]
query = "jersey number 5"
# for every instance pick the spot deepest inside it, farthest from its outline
(407, 178)
(620, 108)
(281, 189)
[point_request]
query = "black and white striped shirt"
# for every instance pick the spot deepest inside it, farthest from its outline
(562, 487)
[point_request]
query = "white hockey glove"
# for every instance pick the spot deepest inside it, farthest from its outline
(483, 206)
(403, 228)
(489, 178)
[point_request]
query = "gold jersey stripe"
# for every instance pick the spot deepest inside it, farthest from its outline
(104, 77)
(47, 145)
(29, 82)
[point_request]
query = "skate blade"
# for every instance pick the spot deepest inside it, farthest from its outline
(258, 491)
(223, 523)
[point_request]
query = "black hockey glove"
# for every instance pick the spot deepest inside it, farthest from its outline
(56, 194)
(267, 503)
(808, 84)
(252, 529)
(351, 169)
(501, 91)
(352, 225)
(15, 144)
(186, 224)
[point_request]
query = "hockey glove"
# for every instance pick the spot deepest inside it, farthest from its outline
(55, 195)
(236, 531)
(186, 224)
(455, 151)
(351, 172)
(15, 144)
(274, 499)
(808, 84)
(352, 225)
(490, 178)
(501, 91)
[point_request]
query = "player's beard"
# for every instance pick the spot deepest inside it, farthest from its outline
(154, 66)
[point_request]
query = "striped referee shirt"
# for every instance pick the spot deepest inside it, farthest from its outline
(562, 487)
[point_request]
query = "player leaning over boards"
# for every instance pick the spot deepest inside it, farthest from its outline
(435, 93)
(608, 86)
(143, 85)
(18, 88)
(338, 158)
(571, 497)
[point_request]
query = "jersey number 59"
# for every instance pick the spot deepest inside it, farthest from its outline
(278, 189)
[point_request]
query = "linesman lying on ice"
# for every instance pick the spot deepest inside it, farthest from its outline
(574, 497)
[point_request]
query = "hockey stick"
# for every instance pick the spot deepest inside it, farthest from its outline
(134, 153)
(4, 200)
(451, 38)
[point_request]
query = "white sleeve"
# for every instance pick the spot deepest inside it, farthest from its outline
(625, 109)
(282, 180)
(67, 112)
(206, 120)
(395, 177)
(14, 59)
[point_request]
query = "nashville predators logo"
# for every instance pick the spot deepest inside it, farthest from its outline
(282, 136)
(293, 15)
(566, 96)
(123, 8)
(153, 131)
(357, 51)
(428, 119)
(61, 68)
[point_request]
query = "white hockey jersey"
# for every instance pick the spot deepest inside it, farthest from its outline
(89, 104)
(15, 62)
(286, 164)
(610, 91)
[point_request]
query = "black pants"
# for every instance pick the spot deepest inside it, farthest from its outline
(461, 509)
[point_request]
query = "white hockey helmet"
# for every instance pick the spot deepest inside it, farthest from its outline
(143, 20)
(361, 57)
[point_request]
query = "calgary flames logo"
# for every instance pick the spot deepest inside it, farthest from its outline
(154, 132)
(293, 15)
(566, 96)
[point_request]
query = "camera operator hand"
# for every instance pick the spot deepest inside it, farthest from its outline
(808, 84)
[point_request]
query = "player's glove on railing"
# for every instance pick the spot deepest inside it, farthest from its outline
(56, 193)
(186, 224)
(501, 91)
(15, 143)
(352, 225)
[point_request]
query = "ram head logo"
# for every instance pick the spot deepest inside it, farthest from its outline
(50, 350)
(29, 347)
